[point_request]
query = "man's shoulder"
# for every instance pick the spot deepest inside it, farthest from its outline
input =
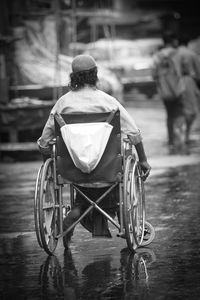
(163, 54)
(166, 51)
(58, 106)
(186, 52)
(105, 95)
(64, 96)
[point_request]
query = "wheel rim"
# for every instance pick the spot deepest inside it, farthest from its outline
(36, 205)
(48, 211)
(133, 204)
(140, 209)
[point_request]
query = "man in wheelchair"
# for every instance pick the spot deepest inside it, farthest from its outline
(84, 97)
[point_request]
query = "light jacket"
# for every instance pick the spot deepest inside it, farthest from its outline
(89, 99)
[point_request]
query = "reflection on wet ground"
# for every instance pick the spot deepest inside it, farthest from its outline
(73, 274)
(100, 279)
(174, 197)
(103, 268)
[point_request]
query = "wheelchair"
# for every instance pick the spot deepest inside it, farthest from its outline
(118, 169)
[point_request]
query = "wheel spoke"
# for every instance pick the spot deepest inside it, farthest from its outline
(48, 216)
(133, 205)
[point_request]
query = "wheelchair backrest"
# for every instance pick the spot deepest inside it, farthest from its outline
(109, 168)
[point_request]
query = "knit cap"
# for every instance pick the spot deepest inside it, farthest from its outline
(83, 63)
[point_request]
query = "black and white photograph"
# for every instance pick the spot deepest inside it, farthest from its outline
(99, 150)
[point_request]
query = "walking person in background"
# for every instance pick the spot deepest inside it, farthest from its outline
(187, 55)
(167, 75)
(189, 63)
(190, 100)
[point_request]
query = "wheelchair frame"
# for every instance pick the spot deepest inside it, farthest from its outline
(49, 207)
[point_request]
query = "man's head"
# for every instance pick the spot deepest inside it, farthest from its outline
(84, 72)
(170, 39)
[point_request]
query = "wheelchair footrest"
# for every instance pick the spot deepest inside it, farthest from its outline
(121, 234)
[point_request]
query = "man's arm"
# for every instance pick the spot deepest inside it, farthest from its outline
(129, 128)
(143, 160)
(47, 135)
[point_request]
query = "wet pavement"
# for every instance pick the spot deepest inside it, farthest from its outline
(103, 268)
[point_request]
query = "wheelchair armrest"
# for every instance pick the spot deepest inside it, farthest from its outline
(126, 140)
(127, 147)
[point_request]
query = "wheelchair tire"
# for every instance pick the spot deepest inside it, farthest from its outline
(48, 209)
(36, 205)
(149, 234)
(133, 204)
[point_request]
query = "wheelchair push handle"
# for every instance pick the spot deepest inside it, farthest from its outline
(60, 120)
(111, 116)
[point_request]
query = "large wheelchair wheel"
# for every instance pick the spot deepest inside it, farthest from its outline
(36, 205)
(133, 204)
(48, 210)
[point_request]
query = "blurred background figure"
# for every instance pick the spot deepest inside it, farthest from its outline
(186, 55)
(166, 72)
(190, 99)
(189, 63)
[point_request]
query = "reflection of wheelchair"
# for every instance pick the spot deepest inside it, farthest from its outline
(118, 169)
(77, 281)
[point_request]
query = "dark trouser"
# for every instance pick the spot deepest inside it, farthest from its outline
(95, 222)
(174, 110)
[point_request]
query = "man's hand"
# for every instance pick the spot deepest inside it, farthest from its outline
(146, 168)
(45, 150)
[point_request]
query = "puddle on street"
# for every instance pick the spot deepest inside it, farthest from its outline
(102, 278)
(79, 273)
(103, 268)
